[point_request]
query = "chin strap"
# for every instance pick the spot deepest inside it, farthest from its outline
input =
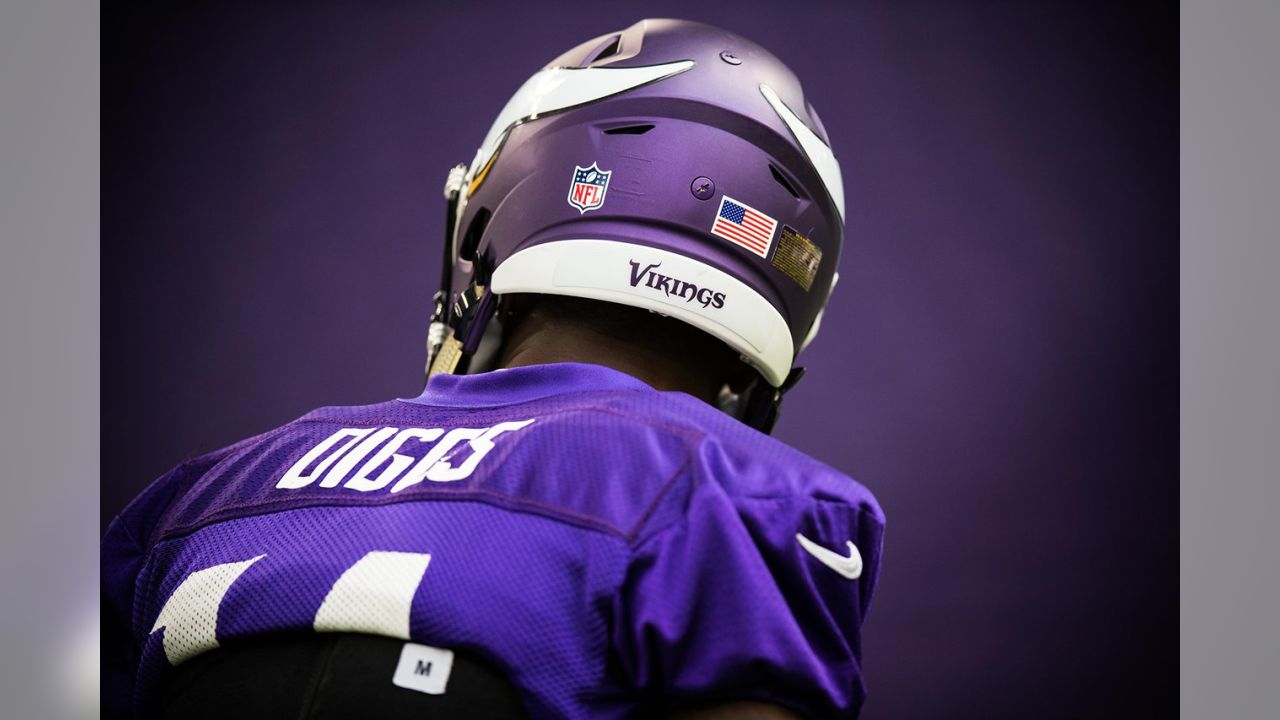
(442, 320)
(764, 402)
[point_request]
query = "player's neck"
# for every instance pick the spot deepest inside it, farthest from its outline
(569, 343)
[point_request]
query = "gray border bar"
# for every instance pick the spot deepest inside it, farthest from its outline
(49, 353)
(1230, 385)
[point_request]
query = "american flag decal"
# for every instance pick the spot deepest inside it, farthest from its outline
(743, 225)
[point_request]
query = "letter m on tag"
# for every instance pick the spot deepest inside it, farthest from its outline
(423, 668)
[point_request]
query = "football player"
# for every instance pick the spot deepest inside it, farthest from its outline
(582, 515)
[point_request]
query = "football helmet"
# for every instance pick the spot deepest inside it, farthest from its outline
(671, 166)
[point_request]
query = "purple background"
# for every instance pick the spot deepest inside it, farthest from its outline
(999, 363)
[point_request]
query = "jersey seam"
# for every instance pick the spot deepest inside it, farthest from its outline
(217, 457)
(133, 537)
(682, 519)
(186, 481)
(657, 501)
(471, 495)
(861, 509)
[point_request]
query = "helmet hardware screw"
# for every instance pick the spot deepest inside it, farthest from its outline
(730, 58)
(703, 188)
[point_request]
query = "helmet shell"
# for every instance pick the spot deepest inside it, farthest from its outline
(673, 147)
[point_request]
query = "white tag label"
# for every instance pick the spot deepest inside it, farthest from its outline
(423, 668)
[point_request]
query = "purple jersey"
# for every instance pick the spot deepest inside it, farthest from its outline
(603, 544)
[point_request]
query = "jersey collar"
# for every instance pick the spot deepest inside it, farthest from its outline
(523, 384)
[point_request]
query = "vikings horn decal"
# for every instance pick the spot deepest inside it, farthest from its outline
(556, 89)
(823, 160)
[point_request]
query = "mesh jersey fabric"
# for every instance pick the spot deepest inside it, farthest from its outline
(612, 548)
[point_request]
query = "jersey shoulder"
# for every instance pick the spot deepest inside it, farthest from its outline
(792, 547)
(746, 463)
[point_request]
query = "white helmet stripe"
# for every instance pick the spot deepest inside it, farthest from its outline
(824, 161)
(559, 88)
(657, 280)
(817, 319)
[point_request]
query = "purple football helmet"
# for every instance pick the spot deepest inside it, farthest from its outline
(671, 166)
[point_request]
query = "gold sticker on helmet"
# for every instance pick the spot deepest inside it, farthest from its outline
(797, 256)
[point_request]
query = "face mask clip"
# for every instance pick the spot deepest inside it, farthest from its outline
(468, 319)
(443, 351)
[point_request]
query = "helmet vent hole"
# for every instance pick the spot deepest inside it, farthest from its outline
(610, 49)
(784, 182)
(471, 241)
(629, 130)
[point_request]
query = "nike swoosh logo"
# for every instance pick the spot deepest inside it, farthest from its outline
(849, 567)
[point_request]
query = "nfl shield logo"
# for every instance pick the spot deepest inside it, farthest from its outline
(586, 192)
